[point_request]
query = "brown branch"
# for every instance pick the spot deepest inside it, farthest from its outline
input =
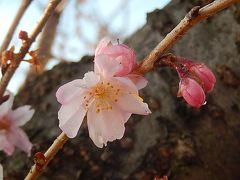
(51, 152)
(24, 49)
(192, 18)
(47, 39)
(23, 6)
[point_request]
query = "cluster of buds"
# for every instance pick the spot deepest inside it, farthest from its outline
(195, 80)
(34, 60)
(11, 59)
(8, 59)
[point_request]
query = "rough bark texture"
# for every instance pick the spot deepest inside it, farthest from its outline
(175, 140)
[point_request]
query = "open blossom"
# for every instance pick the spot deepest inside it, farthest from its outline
(106, 99)
(11, 134)
(122, 55)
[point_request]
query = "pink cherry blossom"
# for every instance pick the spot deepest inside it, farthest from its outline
(120, 53)
(192, 92)
(10, 121)
(206, 76)
(107, 100)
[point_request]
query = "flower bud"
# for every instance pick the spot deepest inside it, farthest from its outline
(205, 75)
(192, 92)
(120, 53)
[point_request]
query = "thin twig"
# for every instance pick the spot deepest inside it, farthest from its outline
(24, 49)
(47, 39)
(51, 152)
(23, 6)
(192, 18)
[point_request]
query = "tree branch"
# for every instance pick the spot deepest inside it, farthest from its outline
(196, 15)
(24, 49)
(50, 153)
(23, 6)
(47, 39)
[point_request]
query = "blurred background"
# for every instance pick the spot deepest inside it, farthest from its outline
(75, 29)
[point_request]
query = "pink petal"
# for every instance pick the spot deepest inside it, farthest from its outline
(138, 80)
(206, 76)
(121, 50)
(70, 118)
(192, 92)
(105, 66)
(69, 91)
(126, 65)
(132, 103)
(6, 106)
(126, 84)
(126, 116)
(91, 79)
(104, 126)
(94, 129)
(105, 42)
(6, 145)
(18, 137)
(21, 115)
(124, 55)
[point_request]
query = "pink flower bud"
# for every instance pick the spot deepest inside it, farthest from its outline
(192, 92)
(205, 75)
(120, 53)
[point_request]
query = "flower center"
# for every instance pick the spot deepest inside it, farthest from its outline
(103, 95)
(4, 124)
(100, 91)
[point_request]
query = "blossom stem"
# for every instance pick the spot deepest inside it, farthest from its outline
(25, 47)
(49, 155)
(23, 6)
(195, 15)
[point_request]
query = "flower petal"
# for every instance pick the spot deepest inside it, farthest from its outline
(94, 127)
(138, 80)
(206, 76)
(91, 79)
(19, 138)
(70, 118)
(105, 42)
(105, 66)
(69, 91)
(126, 116)
(7, 105)
(126, 84)
(132, 103)
(6, 145)
(21, 115)
(192, 92)
(106, 125)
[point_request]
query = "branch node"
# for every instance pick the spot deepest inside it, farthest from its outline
(194, 12)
